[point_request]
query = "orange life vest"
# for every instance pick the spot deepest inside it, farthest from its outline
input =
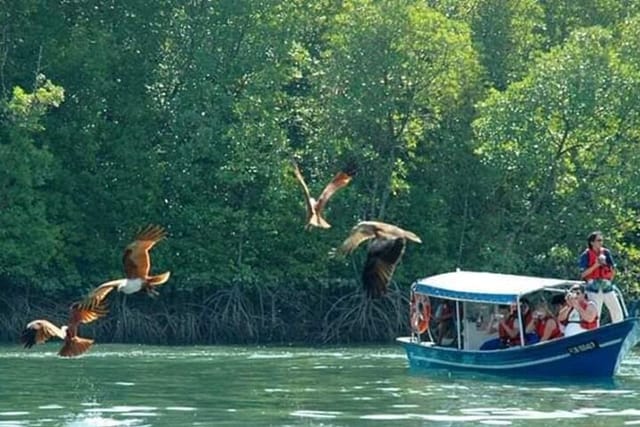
(603, 272)
(502, 333)
(541, 325)
(585, 325)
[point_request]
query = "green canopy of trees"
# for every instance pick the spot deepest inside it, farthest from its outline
(501, 132)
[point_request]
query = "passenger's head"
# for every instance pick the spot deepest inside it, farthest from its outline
(513, 308)
(504, 310)
(542, 309)
(557, 302)
(578, 291)
(595, 240)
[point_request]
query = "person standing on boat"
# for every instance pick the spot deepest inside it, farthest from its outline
(598, 270)
(580, 314)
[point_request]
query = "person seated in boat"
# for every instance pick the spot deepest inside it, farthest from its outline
(544, 323)
(497, 324)
(511, 326)
(580, 314)
(444, 321)
(530, 334)
(558, 301)
(507, 329)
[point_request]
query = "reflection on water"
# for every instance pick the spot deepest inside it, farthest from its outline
(117, 385)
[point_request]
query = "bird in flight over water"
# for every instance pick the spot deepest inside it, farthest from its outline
(386, 246)
(40, 331)
(137, 266)
(315, 208)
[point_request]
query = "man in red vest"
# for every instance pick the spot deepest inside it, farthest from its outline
(598, 270)
(579, 314)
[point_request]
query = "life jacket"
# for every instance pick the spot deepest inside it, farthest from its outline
(504, 336)
(541, 325)
(603, 272)
(583, 323)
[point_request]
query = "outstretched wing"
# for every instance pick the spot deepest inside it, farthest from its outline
(382, 257)
(358, 234)
(391, 231)
(342, 179)
(94, 305)
(305, 189)
(38, 332)
(136, 255)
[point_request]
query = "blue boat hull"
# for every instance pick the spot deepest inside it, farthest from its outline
(596, 353)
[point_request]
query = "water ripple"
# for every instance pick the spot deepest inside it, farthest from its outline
(119, 385)
(316, 414)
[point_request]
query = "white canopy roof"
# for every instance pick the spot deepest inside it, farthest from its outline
(486, 287)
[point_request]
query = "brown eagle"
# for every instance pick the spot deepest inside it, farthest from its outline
(137, 266)
(383, 253)
(315, 207)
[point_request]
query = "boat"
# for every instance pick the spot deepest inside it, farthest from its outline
(477, 298)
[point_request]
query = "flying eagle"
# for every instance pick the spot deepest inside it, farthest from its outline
(40, 331)
(316, 207)
(383, 253)
(137, 265)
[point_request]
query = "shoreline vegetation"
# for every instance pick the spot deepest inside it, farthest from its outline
(275, 314)
(270, 314)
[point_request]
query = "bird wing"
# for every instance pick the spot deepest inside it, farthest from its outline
(383, 256)
(358, 234)
(38, 332)
(391, 231)
(136, 255)
(93, 306)
(303, 184)
(339, 181)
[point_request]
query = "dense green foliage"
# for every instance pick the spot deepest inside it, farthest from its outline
(500, 132)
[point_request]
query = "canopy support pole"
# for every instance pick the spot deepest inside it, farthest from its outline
(458, 325)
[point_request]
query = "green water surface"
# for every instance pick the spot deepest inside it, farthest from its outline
(119, 385)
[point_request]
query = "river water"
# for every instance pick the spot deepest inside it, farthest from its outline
(121, 385)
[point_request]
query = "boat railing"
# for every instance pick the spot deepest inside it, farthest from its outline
(620, 297)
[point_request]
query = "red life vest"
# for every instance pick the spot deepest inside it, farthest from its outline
(502, 333)
(603, 272)
(542, 324)
(504, 336)
(585, 325)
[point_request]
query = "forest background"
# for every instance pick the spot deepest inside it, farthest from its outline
(502, 132)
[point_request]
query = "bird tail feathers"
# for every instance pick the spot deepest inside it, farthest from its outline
(75, 346)
(318, 221)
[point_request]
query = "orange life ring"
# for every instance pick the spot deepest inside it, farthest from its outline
(420, 313)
